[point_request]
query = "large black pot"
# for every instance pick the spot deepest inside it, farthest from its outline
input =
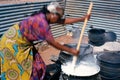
(85, 50)
(69, 77)
(65, 56)
(110, 36)
(96, 36)
(109, 63)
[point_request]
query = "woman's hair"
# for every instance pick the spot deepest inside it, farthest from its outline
(43, 10)
(53, 7)
(56, 8)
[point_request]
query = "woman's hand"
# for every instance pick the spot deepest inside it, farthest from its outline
(74, 52)
(62, 47)
(87, 16)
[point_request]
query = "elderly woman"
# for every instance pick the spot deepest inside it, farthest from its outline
(20, 60)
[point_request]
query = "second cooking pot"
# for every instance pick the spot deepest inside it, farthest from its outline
(96, 36)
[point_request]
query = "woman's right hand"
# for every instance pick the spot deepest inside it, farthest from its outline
(63, 48)
(74, 52)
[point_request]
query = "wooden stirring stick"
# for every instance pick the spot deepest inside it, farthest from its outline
(81, 34)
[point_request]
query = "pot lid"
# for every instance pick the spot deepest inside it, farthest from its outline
(110, 57)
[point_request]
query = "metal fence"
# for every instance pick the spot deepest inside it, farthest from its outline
(105, 14)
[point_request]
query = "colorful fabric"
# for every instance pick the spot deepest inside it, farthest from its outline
(38, 70)
(36, 28)
(16, 54)
(19, 61)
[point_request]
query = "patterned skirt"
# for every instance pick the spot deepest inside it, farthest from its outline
(18, 59)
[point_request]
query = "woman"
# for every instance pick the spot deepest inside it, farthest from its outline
(20, 60)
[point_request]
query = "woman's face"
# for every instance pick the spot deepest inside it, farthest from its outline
(54, 18)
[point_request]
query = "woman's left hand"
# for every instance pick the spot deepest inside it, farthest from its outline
(88, 16)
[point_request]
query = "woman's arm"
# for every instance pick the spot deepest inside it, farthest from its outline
(50, 39)
(62, 47)
(73, 20)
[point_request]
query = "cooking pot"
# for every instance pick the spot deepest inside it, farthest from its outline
(110, 36)
(96, 36)
(109, 63)
(84, 50)
(106, 78)
(85, 59)
(70, 77)
(109, 59)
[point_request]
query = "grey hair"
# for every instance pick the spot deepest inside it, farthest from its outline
(52, 7)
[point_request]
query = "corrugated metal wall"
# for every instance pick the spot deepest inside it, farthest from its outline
(105, 13)
(12, 13)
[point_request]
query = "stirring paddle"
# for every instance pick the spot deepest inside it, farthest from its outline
(81, 34)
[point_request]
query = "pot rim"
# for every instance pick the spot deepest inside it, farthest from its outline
(109, 61)
(97, 71)
(97, 31)
(81, 76)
